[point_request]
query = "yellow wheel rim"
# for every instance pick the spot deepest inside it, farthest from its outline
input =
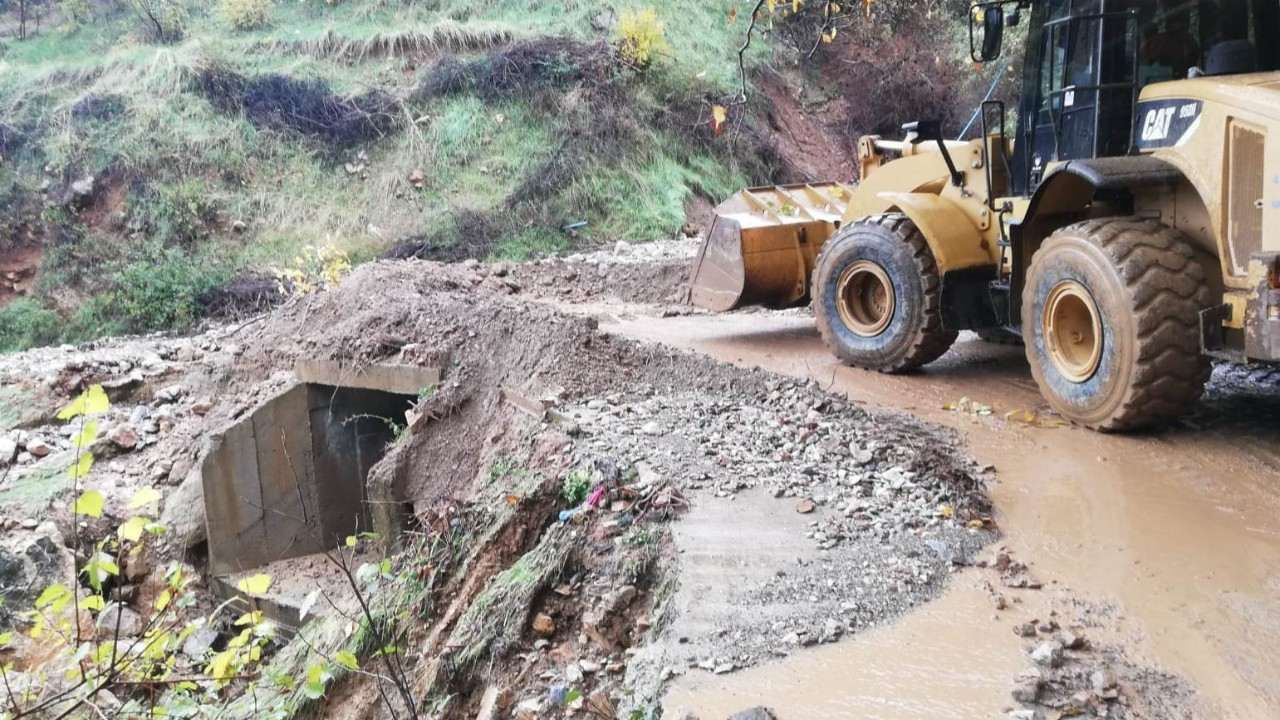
(1072, 331)
(865, 298)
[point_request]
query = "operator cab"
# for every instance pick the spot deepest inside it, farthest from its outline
(1088, 60)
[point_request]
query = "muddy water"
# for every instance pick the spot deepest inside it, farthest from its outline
(1179, 529)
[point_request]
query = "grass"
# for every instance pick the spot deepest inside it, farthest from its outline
(208, 193)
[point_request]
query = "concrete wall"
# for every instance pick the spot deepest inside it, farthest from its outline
(289, 480)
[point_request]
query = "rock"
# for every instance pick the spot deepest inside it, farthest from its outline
(1048, 654)
(573, 674)
(202, 407)
(806, 506)
(119, 619)
(1026, 629)
(199, 642)
(724, 668)
(589, 667)
(183, 514)
(8, 450)
(39, 448)
(1028, 690)
(544, 625)
(1102, 680)
(651, 428)
(1025, 714)
(755, 713)
(1070, 640)
(82, 189)
(530, 709)
(124, 437)
(136, 567)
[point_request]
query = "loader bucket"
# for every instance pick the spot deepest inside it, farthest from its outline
(763, 244)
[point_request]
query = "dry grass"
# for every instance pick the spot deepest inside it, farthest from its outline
(446, 37)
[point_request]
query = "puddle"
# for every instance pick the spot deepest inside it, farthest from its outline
(1180, 529)
(926, 665)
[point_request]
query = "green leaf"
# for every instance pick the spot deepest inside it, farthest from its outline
(93, 602)
(90, 502)
(351, 541)
(54, 598)
(571, 697)
(132, 529)
(255, 585)
(87, 435)
(91, 402)
(144, 496)
(5, 639)
(100, 567)
(347, 660)
(313, 690)
(81, 468)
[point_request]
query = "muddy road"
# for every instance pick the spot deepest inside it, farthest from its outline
(1173, 535)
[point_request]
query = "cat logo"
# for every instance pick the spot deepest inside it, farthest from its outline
(1156, 125)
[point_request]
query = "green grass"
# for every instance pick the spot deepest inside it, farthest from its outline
(188, 172)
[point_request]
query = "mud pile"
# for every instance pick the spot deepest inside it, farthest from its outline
(533, 485)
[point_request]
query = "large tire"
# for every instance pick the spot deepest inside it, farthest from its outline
(1110, 315)
(894, 323)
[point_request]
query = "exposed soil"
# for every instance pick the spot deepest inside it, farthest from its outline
(18, 269)
(801, 516)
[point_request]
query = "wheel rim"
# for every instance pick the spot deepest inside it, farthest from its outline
(1072, 331)
(865, 298)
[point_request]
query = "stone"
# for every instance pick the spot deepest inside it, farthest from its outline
(136, 567)
(589, 667)
(119, 619)
(202, 407)
(8, 450)
(1070, 640)
(806, 506)
(755, 713)
(543, 624)
(82, 189)
(530, 709)
(1026, 629)
(124, 437)
(39, 448)
(651, 428)
(1027, 690)
(183, 514)
(1102, 680)
(1048, 654)
(1025, 714)
(724, 668)
(199, 642)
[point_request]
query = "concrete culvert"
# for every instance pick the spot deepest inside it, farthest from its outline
(288, 482)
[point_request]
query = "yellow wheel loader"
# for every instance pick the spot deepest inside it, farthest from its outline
(1127, 227)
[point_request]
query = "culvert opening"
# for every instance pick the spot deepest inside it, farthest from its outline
(288, 483)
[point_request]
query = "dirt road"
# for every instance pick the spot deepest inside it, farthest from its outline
(1174, 535)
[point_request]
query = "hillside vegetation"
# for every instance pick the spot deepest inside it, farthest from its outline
(160, 158)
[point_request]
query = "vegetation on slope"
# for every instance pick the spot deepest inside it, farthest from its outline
(155, 150)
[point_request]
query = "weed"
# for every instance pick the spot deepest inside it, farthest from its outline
(245, 14)
(27, 323)
(161, 291)
(576, 485)
(427, 392)
(641, 36)
(505, 466)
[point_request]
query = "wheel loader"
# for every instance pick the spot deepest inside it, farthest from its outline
(1125, 223)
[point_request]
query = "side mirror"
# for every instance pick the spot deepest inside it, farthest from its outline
(992, 32)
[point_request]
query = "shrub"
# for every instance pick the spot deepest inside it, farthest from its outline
(164, 21)
(26, 323)
(640, 36)
(161, 292)
(245, 14)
